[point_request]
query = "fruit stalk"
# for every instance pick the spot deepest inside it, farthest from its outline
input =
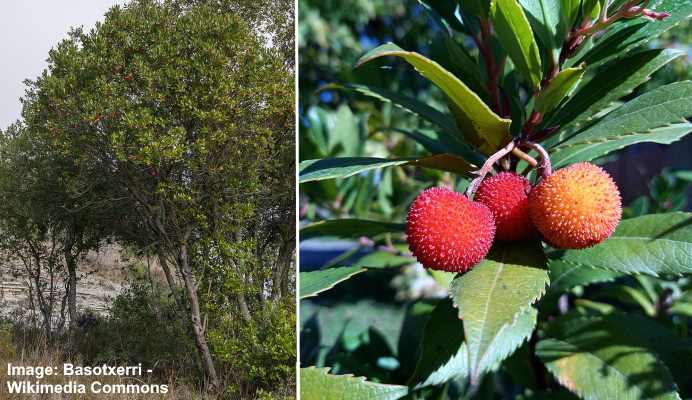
(545, 168)
(487, 167)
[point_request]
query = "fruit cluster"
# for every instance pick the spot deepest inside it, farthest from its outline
(576, 207)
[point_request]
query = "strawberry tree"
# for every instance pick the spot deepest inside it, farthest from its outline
(523, 221)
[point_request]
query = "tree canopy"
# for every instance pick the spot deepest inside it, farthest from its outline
(169, 127)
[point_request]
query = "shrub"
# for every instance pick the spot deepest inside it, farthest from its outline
(142, 325)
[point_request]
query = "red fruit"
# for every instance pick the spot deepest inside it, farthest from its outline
(506, 195)
(576, 207)
(447, 231)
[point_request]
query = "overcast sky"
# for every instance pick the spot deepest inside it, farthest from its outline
(28, 29)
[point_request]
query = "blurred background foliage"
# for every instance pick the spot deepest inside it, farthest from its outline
(361, 325)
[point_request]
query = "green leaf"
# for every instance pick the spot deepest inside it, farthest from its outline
(568, 16)
(318, 384)
(516, 36)
(509, 338)
(558, 89)
(591, 8)
(491, 296)
(630, 34)
(431, 141)
(612, 82)
(458, 61)
(545, 17)
(418, 313)
(443, 353)
(445, 162)
(408, 103)
(628, 295)
(347, 322)
(591, 149)
(314, 282)
(331, 168)
(345, 131)
(343, 167)
(681, 308)
(658, 116)
(587, 307)
(350, 228)
(449, 140)
(444, 12)
(383, 259)
(479, 124)
(613, 356)
(479, 8)
(685, 175)
(652, 244)
(565, 275)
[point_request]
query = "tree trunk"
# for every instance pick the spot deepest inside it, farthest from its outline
(244, 309)
(196, 320)
(282, 270)
(71, 288)
(169, 277)
(71, 263)
(44, 307)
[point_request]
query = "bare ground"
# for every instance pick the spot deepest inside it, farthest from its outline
(102, 276)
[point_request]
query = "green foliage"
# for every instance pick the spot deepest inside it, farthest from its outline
(311, 283)
(168, 128)
(628, 353)
(558, 89)
(316, 382)
(652, 244)
(479, 124)
(7, 348)
(584, 79)
(443, 353)
(616, 80)
(142, 325)
(261, 353)
(492, 299)
(658, 116)
(349, 228)
(515, 35)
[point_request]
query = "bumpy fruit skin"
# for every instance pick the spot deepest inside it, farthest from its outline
(447, 231)
(576, 207)
(507, 196)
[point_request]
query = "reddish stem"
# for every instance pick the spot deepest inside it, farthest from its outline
(487, 167)
(531, 124)
(484, 47)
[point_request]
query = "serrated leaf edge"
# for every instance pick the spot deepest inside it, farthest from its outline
(508, 326)
(675, 54)
(575, 264)
(359, 379)
(581, 394)
(607, 139)
(473, 371)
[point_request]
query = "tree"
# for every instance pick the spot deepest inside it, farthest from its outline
(50, 220)
(178, 109)
(273, 19)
